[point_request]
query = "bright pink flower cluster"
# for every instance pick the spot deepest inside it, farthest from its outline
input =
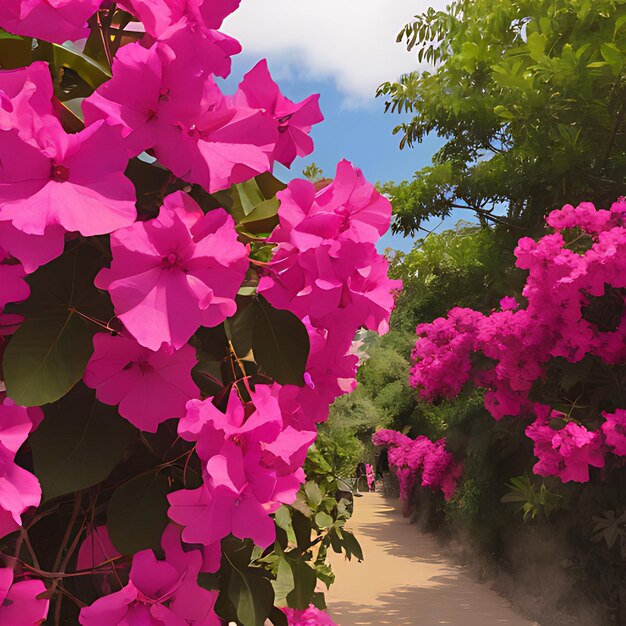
(410, 457)
(20, 489)
(569, 271)
(252, 464)
(309, 617)
(327, 271)
(172, 274)
(19, 604)
(158, 592)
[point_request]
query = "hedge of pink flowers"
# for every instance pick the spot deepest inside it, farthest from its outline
(170, 272)
(408, 458)
(573, 314)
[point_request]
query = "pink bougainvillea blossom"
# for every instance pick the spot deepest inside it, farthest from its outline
(252, 466)
(150, 387)
(76, 181)
(309, 617)
(614, 429)
(294, 120)
(159, 15)
(53, 20)
(175, 273)
(26, 100)
(13, 288)
(19, 604)
(165, 98)
(20, 489)
(567, 452)
(158, 592)
(411, 457)
(520, 343)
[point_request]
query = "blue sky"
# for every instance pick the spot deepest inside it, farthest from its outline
(343, 60)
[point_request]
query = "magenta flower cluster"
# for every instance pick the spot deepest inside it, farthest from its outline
(409, 458)
(309, 617)
(175, 273)
(509, 351)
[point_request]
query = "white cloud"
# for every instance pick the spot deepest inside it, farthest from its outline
(352, 42)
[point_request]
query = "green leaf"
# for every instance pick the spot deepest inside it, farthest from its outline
(305, 579)
(239, 328)
(250, 196)
(251, 595)
(313, 493)
(68, 55)
(323, 520)
(613, 56)
(266, 210)
(47, 356)
(351, 545)
(79, 443)
(278, 618)
(536, 46)
(6, 35)
(280, 343)
(137, 513)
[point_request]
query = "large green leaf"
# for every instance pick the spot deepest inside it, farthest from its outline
(47, 356)
(250, 594)
(295, 583)
(137, 513)
(280, 343)
(79, 443)
(68, 55)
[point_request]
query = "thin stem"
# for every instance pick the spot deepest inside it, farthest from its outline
(26, 539)
(68, 530)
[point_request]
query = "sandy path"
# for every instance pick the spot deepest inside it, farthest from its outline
(405, 581)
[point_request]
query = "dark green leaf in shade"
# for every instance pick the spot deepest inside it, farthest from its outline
(79, 443)
(137, 513)
(47, 356)
(280, 343)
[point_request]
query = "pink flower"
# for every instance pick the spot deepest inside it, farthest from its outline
(20, 489)
(158, 592)
(13, 288)
(159, 15)
(252, 466)
(175, 273)
(349, 209)
(19, 605)
(309, 617)
(614, 429)
(26, 97)
(52, 20)
(294, 121)
(150, 387)
(76, 181)
(165, 98)
(567, 452)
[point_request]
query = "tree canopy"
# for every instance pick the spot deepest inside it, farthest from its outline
(529, 96)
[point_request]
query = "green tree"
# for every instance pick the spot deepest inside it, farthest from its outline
(530, 97)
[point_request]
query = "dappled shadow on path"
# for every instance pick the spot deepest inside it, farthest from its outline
(448, 603)
(405, 580)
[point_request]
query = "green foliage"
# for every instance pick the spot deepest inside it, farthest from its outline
(137, 512)
(313, 173)
(465, 266)
(48, 354)
(610, 527)
(529, 97)
(79, 443)
(532, 498)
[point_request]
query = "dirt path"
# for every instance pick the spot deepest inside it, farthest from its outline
(404, 579)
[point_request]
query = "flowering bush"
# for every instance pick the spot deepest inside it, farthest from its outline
(560, 357)
(174, 323)
(410, 457)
